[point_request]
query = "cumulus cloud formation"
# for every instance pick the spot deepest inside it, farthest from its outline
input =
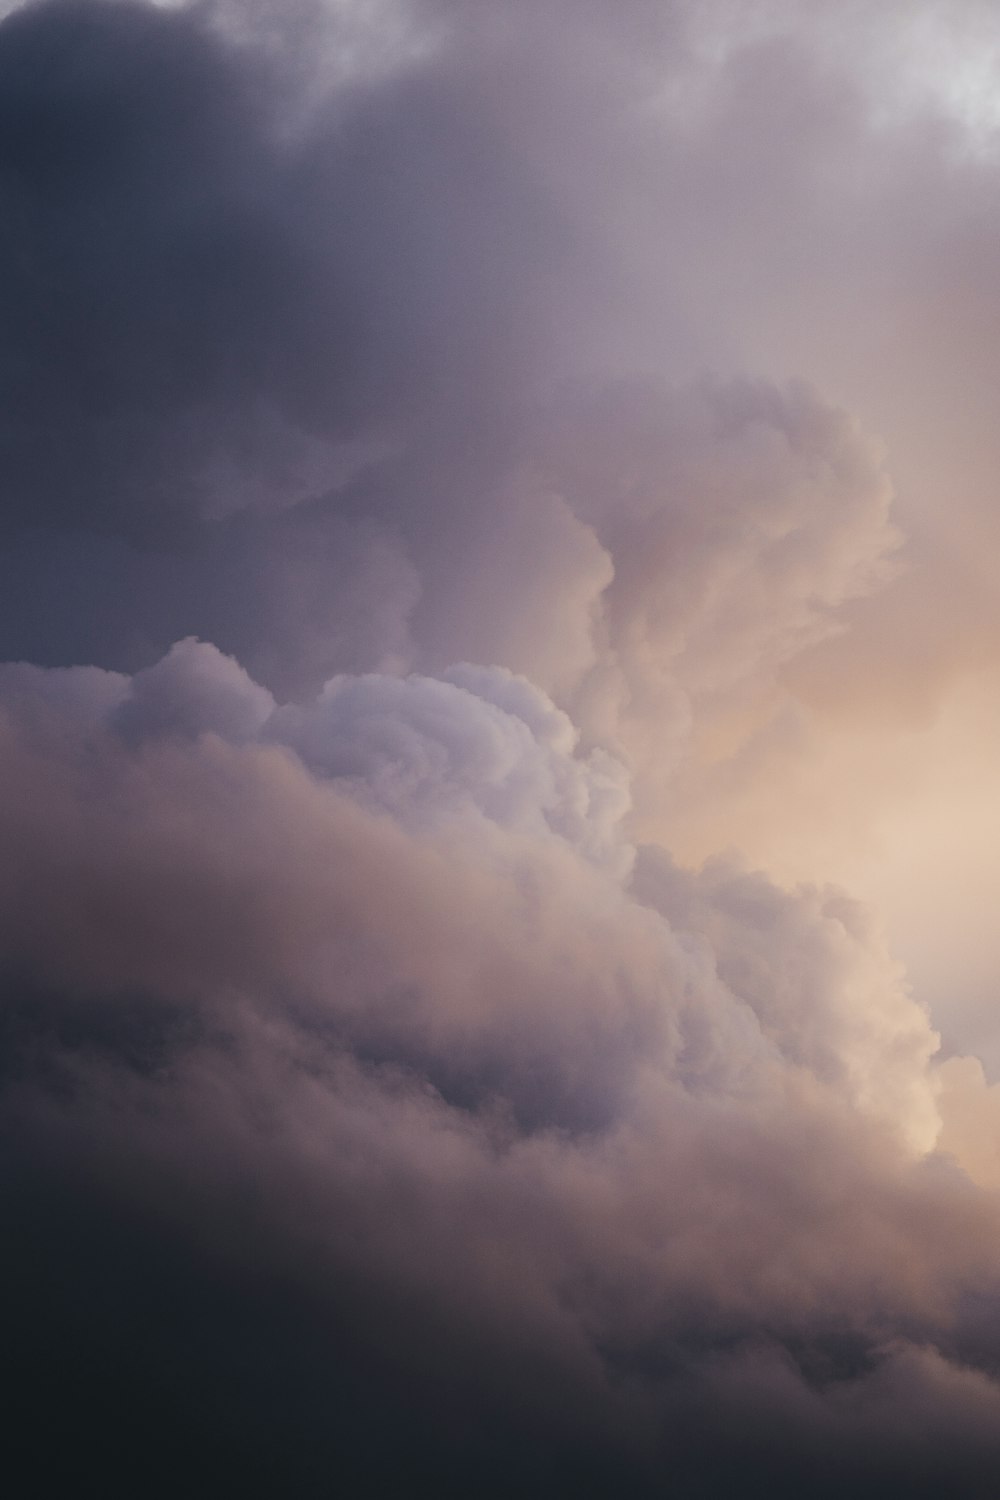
(472, 601)
(365, 953)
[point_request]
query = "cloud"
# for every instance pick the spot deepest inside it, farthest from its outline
(431, 490)
(335, 966)
(194, 690)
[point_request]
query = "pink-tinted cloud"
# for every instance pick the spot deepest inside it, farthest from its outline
(480, 483)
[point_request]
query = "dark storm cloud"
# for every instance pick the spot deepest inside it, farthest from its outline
(183, 282)
(216, 320)
(148, 291)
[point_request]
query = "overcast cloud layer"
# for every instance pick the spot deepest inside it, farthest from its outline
(498, 812)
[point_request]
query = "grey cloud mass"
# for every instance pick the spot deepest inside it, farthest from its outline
(437, 443)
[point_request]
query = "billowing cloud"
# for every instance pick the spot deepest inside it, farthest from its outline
(627, 1124)
(494, 520)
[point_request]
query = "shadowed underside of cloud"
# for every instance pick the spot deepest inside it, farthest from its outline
(385, 1112)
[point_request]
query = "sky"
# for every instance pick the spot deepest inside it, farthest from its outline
(499, 631)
